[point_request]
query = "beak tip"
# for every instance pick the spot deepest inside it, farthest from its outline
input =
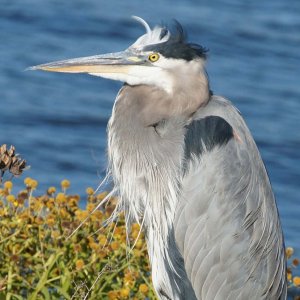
(31, 69)
(39, 68)
(34, 68)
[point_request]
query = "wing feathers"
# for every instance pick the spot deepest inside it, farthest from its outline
(228, 229)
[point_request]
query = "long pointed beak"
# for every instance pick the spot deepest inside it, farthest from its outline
(118, 62)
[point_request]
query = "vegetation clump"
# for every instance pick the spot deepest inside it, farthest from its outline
(46, 254)
(53, 247)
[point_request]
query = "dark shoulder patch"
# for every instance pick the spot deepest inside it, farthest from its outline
(206, 134)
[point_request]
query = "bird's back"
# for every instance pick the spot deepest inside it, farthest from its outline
(227, 227)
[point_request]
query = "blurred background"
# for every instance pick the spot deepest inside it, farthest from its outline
(57, 122)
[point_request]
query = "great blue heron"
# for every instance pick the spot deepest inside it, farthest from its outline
(188, 169)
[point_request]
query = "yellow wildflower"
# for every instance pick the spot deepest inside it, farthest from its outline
(118, 230)
(296, 281)
(139, 244)
(24, 216)
(39, 220)
(34, 204)
(115, 245)
(289, 252)
(81, 215)
(55, 234)
(124, 292)
(51, 190)
(93, 245)
(119, 235)
(289, 276)
(102, 253)
(90, 207)
(135, 226)
(102, 239)
(50, 203)
(90, 239)
(143, 288)
(73, 202)
(8, 185)
(131, 273)
(79, 264)
(10, 198)
(31, 183)
(3, 212)
(50, 220)
(129, 279)
(123, 238)
(137, 253)
(27, 180)
(60, 198)
(97, 215)
(65, 184)
(135, 234)
(113, 295)
(89, 191)
(129, 283)
(92, 198)
(101, 196)
(63, 213)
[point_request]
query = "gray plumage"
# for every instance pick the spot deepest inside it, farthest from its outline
(187, 168)
(226, 225)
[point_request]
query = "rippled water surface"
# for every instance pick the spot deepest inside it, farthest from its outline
(58, 121)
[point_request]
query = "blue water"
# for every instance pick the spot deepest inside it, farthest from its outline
(58, 121)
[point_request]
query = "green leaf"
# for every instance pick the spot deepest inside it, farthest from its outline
(66, 279)
(13, 296)
(61, 291)
(45, 292)
(43, 280)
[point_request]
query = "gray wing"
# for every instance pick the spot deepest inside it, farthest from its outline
(227, 226)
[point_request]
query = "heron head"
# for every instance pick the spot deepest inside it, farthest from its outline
(156, 58)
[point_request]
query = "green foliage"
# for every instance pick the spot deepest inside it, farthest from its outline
(42, 259)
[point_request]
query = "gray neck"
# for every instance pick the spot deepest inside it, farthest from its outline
(146, 149)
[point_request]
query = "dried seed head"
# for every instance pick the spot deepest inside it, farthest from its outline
(17, 166)
(11, 151)
(11, 161)
(5, 158)
(2, 149)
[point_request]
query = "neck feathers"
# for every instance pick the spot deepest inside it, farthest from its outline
(146, 154)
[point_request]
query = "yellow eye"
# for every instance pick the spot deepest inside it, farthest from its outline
(153, 57)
